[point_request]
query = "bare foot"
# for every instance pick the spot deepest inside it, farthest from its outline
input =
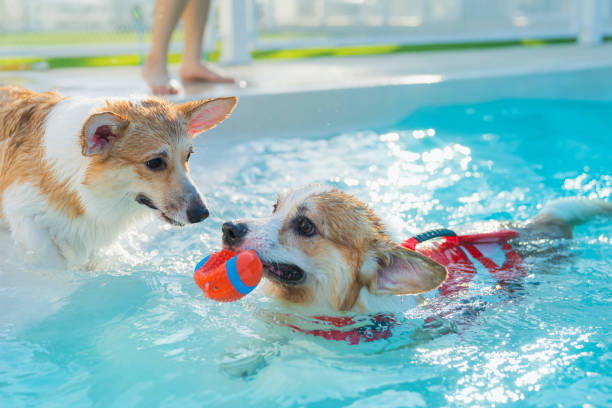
(199, 72)
(157, 78)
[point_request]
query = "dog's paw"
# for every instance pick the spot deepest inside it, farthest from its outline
(242, 362)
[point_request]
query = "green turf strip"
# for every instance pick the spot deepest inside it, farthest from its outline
(132, 60)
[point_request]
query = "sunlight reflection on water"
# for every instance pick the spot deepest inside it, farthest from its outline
(139, 333)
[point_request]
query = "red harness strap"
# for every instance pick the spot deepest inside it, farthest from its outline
(379, 328)
(456, 253)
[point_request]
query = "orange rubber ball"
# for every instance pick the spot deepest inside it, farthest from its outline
(226, 276)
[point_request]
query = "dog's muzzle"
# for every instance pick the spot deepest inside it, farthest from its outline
(233, 234)
(197, 214)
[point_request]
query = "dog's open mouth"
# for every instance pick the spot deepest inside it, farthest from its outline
(147, 202)
(284, 273)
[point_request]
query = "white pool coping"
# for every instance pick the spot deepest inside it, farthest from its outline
(329, 95)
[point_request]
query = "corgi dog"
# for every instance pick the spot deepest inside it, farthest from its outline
(324, 250)
(76, 172)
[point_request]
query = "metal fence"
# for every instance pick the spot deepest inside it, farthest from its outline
(111, 27)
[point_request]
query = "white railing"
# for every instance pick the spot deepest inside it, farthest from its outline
(279, 24)
(244, 26)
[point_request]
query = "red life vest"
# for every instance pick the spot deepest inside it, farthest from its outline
(458, 253)
(462, 255)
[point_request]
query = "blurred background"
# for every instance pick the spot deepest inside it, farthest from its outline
(65, 33)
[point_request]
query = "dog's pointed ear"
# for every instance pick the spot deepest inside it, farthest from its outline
(208, 113)
(100, 132)
(401, 271)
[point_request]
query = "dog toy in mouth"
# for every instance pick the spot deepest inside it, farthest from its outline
(226, 276)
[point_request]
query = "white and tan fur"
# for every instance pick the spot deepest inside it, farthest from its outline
(348, 261)
(74, 172)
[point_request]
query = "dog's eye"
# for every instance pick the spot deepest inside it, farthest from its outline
(156, 164)
(306, 227)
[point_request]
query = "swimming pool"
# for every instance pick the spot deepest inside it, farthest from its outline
(139, 332)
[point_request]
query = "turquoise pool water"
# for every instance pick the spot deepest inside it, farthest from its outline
(139, 333)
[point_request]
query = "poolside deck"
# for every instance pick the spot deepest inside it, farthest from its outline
(279, 76)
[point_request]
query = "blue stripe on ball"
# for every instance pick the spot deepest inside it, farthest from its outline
(234, 278)
(201, 263)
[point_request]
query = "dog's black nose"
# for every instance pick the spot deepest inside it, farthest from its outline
(233, 233)
(197, 214)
